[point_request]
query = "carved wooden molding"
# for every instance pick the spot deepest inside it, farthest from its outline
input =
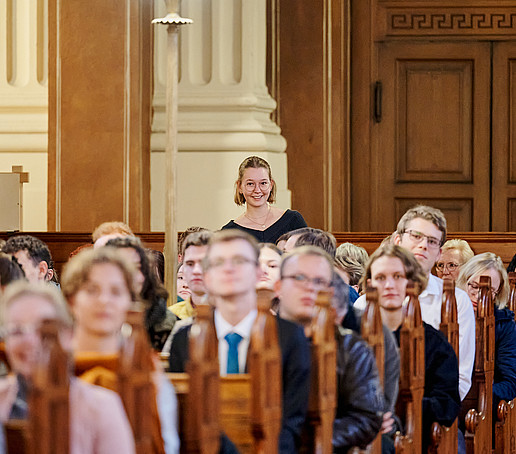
(447, 22)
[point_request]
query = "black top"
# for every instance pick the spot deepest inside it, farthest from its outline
(441, 400)
(290, 220)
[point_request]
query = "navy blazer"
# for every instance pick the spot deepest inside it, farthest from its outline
(295, 355)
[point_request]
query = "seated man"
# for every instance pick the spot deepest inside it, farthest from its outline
(194, 251)
(231, 271)
(422, 231)
(33, 256)
(304, 272)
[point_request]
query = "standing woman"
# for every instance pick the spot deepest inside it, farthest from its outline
(256, 189)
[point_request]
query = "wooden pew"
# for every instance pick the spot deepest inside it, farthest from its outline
(511, 301)
(505, 425)
(250, 405)
(444, 439)
(61, 244)
(48, 426)
(372, 333)
(412, 376)
(318, 432)
(130, 374)
(478, 421)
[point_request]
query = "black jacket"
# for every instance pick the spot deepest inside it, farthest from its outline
(295, 353)
(441, 399)
(504, 386)
(360, 403)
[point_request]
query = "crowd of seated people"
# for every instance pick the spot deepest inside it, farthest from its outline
(224, 269)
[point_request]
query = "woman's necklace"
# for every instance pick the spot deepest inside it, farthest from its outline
(259, 223)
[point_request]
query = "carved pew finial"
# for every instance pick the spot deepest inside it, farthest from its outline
(266, 376)
(478, 420)
(49, 414)
(412, 374)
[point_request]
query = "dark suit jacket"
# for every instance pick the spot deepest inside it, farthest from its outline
(295, 352)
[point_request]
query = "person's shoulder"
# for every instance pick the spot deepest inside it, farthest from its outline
(360, 303)
(289, 328)
(436, 338)
(296, 217)
(503, 315)
(230, 225)
(91, 396)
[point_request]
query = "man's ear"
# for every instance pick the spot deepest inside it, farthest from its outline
(396, 239)
(369, 282)
(43, 271)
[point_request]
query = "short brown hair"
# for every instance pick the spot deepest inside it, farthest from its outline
(107, 228)
(227, 235)
(200, 238)
(319, 238)
(254, 162)
(77, 271)
(305, 250)
(434, 215)
(413, 270)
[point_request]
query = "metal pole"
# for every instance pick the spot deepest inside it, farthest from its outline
(173, 21)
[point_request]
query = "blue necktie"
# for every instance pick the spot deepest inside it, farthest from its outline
(233, 339)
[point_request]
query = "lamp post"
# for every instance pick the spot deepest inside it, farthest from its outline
(173, 21)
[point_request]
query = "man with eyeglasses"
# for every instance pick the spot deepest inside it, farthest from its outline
(422, 231)
(231, 271)
(304, 272)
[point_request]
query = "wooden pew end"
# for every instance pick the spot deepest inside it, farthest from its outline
(472, 420)
(435, 436)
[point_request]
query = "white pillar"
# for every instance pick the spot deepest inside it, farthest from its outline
(224, 110)
(23, 100)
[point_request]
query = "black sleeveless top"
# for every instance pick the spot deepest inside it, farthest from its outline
(290, 220)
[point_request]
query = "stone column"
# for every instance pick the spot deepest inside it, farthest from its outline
(23, 101)
(224, 110)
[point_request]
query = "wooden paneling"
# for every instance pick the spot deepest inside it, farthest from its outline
(432, 144)
(504, 137)
(308, 74)
(100, 57)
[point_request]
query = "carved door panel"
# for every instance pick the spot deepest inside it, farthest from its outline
(432, 142)
(504, 137)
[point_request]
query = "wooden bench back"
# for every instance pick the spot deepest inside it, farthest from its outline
(444, 439)
(478, 419)
(130, 374)
(412, 376)
(372, 333)
(247, 407)
(318, 431)
(48, 426)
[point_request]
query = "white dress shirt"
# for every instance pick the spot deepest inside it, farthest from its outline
(222, 327)
(430, 302)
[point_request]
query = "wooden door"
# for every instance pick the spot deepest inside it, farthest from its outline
(504, 137)
(432, 142)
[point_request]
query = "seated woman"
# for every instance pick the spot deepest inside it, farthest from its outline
(489, 264)
(158, 320)
(255, 188)
(99, 287)
(454, 254)
(269, 260)
(97, 418)
(389, 269)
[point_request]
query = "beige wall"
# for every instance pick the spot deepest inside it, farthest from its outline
(224, 108)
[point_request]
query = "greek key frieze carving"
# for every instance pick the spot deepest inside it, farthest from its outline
(459, 22)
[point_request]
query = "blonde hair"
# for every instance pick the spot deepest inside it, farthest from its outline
(46, 291)
(254, 162)
(106, 228)
(480, 264)
(466, 253)
(77, 271)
